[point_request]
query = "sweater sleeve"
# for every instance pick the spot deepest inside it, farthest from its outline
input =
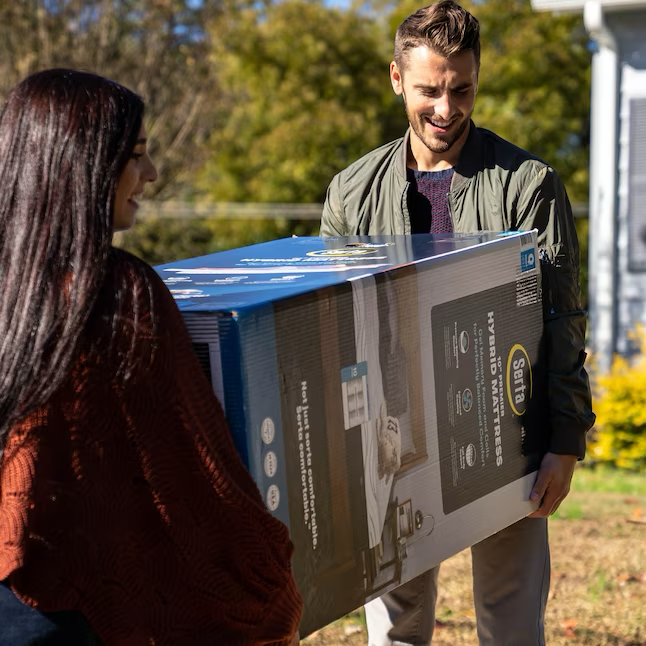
(188, 377)
(265, 550)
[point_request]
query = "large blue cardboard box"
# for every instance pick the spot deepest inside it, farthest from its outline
(383, 391)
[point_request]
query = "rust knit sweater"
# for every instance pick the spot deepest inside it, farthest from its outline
(124, 497)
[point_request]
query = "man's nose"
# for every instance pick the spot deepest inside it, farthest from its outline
(444, 106)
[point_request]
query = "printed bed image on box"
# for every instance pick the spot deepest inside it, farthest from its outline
(384, 392)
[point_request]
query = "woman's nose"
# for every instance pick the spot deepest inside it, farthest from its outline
(150, 171)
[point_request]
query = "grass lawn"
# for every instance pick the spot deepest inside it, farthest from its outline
(598, 587)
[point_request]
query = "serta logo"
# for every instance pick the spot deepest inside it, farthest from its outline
(519, 379)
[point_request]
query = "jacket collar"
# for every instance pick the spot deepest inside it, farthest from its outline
(471, 158)
(402, 165)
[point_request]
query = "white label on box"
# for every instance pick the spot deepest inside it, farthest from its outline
(354, 388)
(267, 430)
(271, 463)
(273, 498)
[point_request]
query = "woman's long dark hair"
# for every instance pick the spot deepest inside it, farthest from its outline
(65, 138)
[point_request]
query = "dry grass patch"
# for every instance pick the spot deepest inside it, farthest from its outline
(598, 589)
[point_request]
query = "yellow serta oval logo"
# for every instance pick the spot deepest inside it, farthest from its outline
(519, 379)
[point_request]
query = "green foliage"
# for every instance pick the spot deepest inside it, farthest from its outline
(593, 477)
(159, 48)
(571, 511)
(536, 85)
(619, 436)
(158, 240)
(308, 93)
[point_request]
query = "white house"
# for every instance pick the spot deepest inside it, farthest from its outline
(617, 203)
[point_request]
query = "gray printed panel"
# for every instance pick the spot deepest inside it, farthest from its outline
(486, 351)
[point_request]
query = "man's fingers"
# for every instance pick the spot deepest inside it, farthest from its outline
(539, 513)
(552, 483)
(548, 506)
(540, 487)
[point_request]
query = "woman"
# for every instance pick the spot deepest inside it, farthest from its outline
(125, 513)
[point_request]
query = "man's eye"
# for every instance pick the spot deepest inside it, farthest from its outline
(137, 156)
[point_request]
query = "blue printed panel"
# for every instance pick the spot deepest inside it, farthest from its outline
(527, 260)
(266, 458)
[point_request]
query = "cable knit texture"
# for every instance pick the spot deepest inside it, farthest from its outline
(124, 497)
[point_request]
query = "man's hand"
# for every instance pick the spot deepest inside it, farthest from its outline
(552, 483)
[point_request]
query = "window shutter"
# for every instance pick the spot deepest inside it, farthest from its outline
(637, 187)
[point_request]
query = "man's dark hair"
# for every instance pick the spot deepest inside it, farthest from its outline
(65, 138)
(445, 27)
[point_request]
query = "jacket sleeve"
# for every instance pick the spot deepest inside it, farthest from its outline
(333, 222)
(543, 204)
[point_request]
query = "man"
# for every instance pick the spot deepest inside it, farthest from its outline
(447, 175)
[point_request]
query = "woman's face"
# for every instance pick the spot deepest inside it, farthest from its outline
(138, 172)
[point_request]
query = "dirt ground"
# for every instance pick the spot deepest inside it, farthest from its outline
(598, 586)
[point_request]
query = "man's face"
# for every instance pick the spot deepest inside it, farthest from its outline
(439, 94)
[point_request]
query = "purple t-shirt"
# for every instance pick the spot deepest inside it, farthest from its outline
(428, 202)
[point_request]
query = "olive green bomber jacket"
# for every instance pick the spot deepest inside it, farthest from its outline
(496, 187)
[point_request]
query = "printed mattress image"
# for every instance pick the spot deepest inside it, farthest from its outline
(386, 394)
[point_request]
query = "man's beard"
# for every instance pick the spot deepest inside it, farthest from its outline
(436, 144)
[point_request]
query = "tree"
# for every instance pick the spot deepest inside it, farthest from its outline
(158, 48)
(308, 93)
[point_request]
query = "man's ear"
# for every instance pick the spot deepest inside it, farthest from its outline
(396, 78)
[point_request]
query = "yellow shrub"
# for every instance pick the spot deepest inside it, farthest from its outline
(619, 435)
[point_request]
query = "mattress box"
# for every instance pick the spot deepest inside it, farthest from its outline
(384, 392)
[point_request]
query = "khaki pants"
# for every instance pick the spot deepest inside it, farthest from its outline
(511, 578)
